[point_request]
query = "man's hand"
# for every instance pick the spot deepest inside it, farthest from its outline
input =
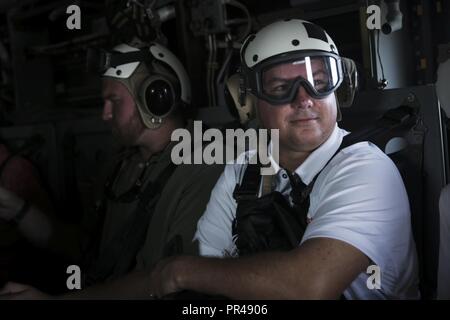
(163, 278)
(17, 291)
(10, 204)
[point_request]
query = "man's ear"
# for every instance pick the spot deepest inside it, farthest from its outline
(246, 111)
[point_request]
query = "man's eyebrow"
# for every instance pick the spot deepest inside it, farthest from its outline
(275, 79)
(319, 72)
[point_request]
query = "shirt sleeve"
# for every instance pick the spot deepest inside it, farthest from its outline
(363, 202)
(176, 214)
(191, 206)
(214, 234)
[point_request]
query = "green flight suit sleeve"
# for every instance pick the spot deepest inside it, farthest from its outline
(174, 223)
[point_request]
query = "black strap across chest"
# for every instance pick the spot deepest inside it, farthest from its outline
(271, 222)
(249, 188)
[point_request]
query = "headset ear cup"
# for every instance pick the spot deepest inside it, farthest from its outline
(345, 94)
(159, 96)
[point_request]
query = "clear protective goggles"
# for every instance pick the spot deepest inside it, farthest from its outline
(278, 80)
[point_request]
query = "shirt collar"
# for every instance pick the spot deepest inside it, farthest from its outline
(317, 159)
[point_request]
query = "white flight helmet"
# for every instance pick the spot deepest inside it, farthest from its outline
(295, 42)
(154, 76)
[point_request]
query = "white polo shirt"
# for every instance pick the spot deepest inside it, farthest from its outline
(358, 198)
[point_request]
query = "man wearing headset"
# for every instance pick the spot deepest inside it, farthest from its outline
(148, 208)
(351, 197)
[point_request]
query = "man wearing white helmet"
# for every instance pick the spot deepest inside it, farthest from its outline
(149, 207)
(349, 208)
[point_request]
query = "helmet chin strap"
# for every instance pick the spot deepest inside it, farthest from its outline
(338, 109)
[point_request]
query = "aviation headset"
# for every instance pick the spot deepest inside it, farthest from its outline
(152, 74)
